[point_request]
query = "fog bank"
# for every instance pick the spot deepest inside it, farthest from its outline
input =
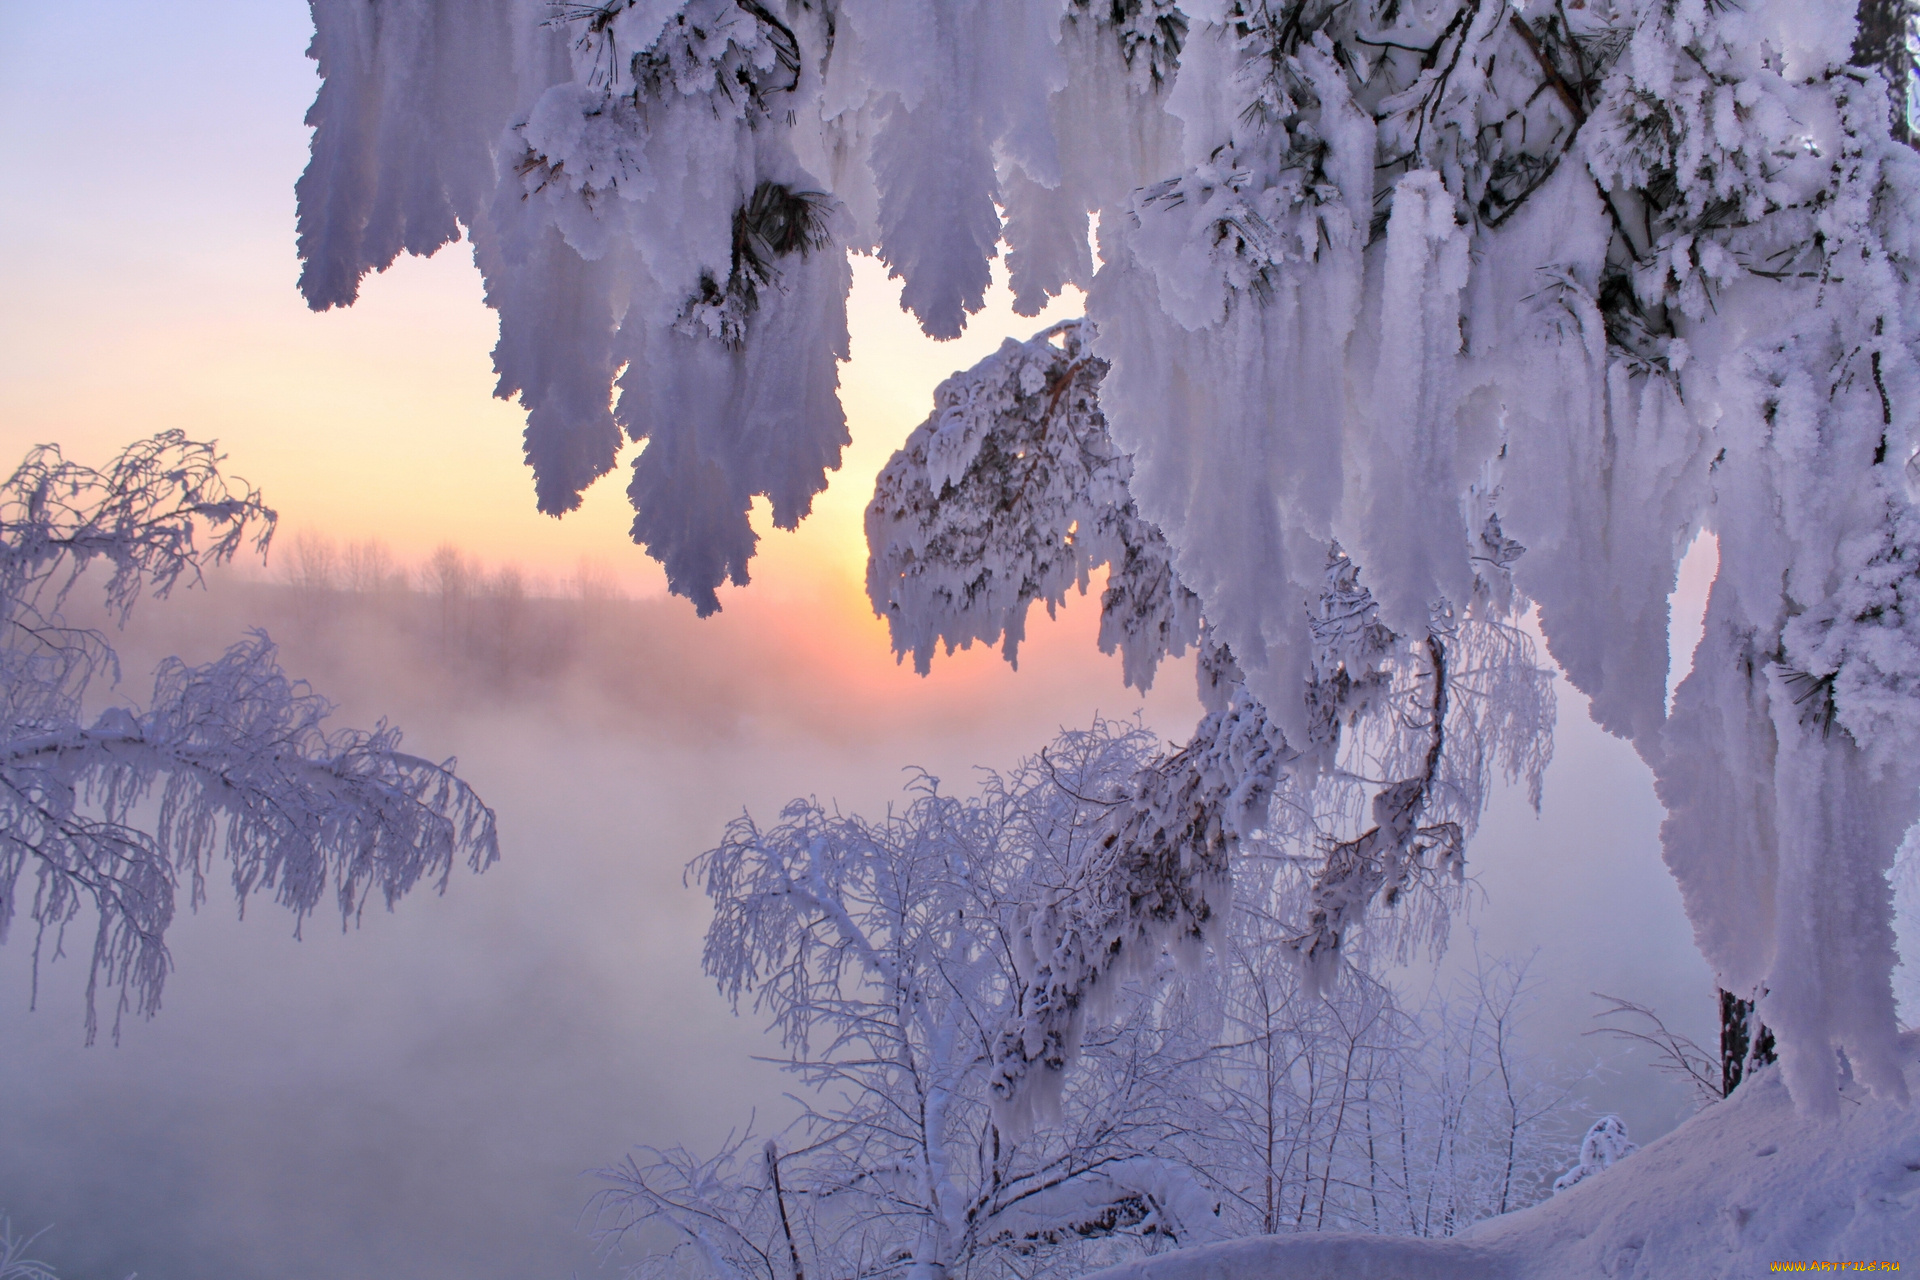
(420, 1096)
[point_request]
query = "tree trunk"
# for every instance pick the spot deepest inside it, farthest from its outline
(1744, 1042)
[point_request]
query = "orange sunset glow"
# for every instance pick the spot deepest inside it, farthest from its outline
(378, 421)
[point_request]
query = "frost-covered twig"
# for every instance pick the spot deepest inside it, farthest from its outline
(14, 1262)
(1673, 1054)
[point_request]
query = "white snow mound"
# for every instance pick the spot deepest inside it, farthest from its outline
(1742, 1185)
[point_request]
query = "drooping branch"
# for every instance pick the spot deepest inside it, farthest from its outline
(143, 515)
(224, 762)
(1159, 876)
(1380, 861)
(1013, 493)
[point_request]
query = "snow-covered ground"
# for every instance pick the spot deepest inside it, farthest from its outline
(1743, 1185)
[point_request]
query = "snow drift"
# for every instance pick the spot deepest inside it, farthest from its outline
(1743, 1184)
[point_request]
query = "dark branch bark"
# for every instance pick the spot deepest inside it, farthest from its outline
(1885, 27)
(1552, 73)
(780, 1198)
(1744, 1042)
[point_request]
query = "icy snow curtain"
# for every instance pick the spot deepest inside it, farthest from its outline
(1371, 271)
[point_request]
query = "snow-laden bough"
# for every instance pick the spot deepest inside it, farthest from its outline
(1502, 305)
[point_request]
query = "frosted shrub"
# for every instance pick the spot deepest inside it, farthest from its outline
(1605, 1143)
(885, 954)
(1226, 1101)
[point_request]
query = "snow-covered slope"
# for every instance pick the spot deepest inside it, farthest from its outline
(1744, 1184)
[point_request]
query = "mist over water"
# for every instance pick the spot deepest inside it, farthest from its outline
(421, 1095)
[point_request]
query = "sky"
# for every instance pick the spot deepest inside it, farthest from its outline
(150, 285)
(419, 1097)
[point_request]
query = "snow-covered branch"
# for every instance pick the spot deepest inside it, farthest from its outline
(1012, 493)
(991, 505)
(227, 761)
